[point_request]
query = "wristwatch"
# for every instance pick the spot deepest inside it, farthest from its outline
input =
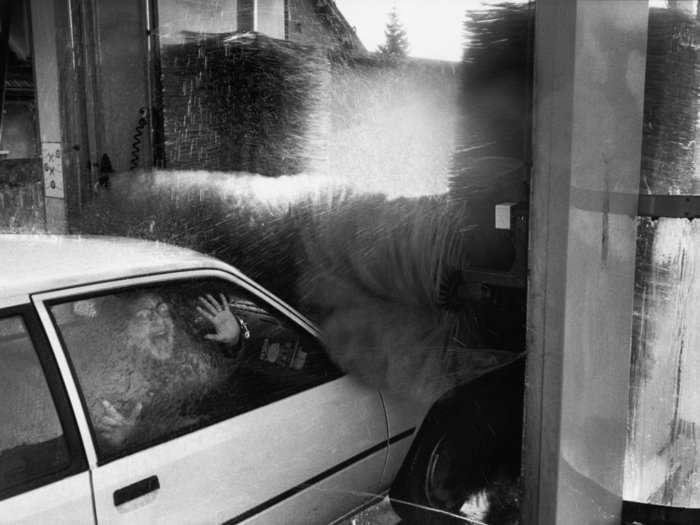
(245, 332)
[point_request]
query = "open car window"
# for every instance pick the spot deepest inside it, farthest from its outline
(152, 363)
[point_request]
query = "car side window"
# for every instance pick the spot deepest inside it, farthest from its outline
(156, 362)
(32, 443)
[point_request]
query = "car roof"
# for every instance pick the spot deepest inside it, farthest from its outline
(36, 263)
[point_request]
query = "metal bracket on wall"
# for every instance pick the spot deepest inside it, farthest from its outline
(669, 206)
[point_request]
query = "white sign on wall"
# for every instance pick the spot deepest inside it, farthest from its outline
(52, 165)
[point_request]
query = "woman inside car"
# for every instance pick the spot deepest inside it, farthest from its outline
(151, 386)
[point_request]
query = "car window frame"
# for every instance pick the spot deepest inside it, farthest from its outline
(57, 390)
(45, 300)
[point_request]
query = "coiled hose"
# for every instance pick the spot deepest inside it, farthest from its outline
(136, 144)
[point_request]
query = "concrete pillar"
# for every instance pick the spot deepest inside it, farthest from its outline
(47, 90)
(589, 86)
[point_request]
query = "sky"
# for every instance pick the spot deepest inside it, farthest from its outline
(434, 28)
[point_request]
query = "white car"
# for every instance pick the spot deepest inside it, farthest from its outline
(121, 404)
(288, 439)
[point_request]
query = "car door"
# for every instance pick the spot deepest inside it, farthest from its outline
(268, 433)
(44, 476)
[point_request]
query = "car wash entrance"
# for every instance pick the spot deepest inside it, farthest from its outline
(436, 214)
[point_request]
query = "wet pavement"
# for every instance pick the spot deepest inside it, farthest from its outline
(379, 514)
(383, 514)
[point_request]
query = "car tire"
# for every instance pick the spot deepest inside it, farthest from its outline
(431, 485)
(428, 481)
(468, 443)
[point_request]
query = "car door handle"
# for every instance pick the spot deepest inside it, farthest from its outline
(136, 490)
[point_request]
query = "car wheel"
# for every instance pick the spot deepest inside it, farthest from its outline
(464, 447)
(430, 485)
(440, 482)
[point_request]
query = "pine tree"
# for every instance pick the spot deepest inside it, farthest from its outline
(396, 45)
